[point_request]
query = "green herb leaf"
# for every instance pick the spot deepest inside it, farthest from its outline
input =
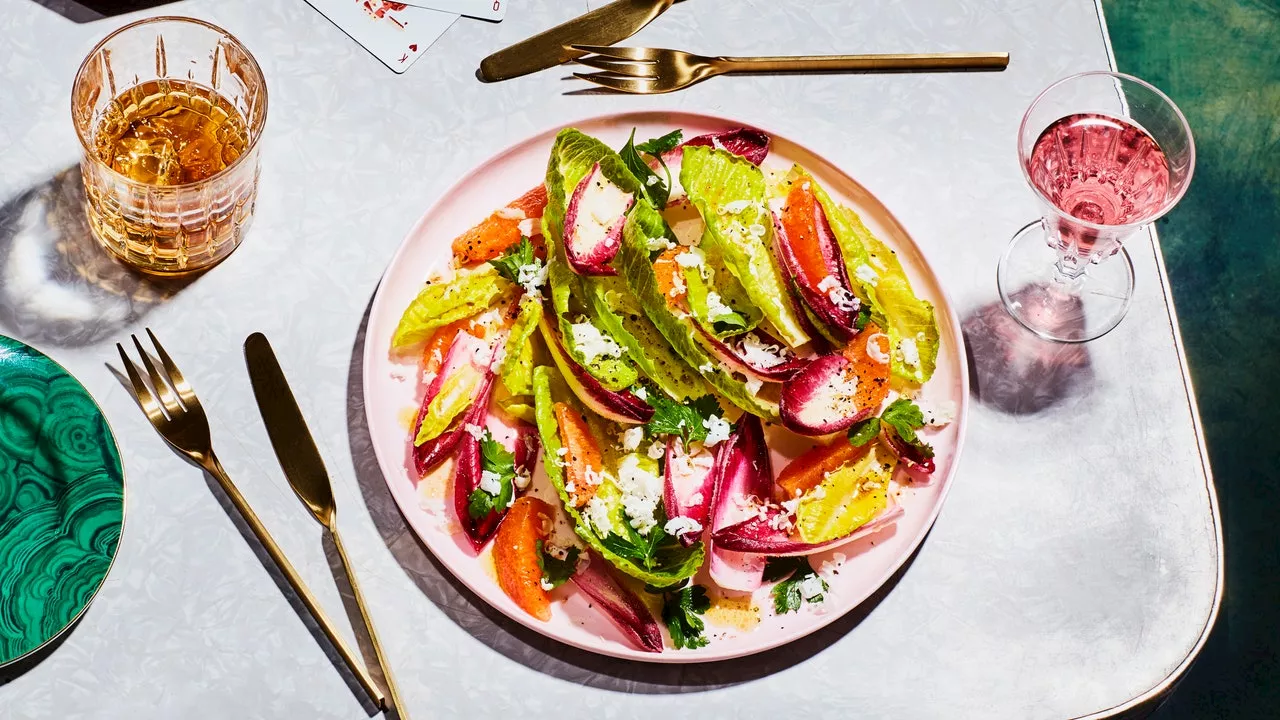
(864, 317)
(905, 417)
(791, 572)
(498, 460)
(864, 432)
(685, 420)
(652, 185)
(509, 264)
(557, 571)
(680, 611)
(657, 146)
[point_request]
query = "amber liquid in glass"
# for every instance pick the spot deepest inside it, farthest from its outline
(168, 132)
(174, 137)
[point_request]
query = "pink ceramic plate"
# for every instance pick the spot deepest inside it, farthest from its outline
(736, 628)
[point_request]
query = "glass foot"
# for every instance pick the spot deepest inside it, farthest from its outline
(1054, 306)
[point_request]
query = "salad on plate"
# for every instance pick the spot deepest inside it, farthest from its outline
(647, 326)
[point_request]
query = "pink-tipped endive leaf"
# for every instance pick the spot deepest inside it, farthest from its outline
(467, 474)
(618, 603)
(744, 142)
(621, 406)
(767, 534)
(822, 398)
(593, 223)
(689, 486)
(744, 476)
(829, 297)
(919, 467)
(736, 353)
(465, 354)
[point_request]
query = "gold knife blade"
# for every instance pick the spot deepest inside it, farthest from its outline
(612, 23)
(287, 428)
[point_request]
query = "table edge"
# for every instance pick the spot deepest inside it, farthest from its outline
(1176, 674)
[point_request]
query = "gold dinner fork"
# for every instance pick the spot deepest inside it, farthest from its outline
(180, 419)
(657, 70)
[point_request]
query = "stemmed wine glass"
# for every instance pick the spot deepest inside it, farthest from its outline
(1106, 155)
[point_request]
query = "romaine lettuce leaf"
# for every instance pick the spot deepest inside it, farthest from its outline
(676, 568)
(851, 496)
(730, 193)
(517, 366)
(878, 279)
(457, 392)
(439, 304)
(636, 266)
(620, 314)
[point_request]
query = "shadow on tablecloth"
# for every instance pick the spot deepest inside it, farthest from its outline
(57, 285)
(530, 648)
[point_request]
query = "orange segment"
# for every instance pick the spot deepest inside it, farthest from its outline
(873, 375)
(807, 471)
(800, 221)
(671, 279)
(501, 230)
(582, 472)
(438, 346)
(515, 555)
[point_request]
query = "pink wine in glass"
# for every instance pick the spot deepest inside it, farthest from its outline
(1100, 169)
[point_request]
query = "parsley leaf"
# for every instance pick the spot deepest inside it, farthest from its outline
(792, 574)
(653, 186)
(555, 570)
(654, 551)
(685, 420)
(864, 432)
(680, 611)
(657, 146)
(498, 460)
(517, 257)
(905, 417)
(864, 317)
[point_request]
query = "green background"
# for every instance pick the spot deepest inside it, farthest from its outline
(1220, 62)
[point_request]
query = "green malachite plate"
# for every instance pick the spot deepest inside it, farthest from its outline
(61, 499)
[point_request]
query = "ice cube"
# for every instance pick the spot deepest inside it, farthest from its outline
(200, 158)
(152, 161)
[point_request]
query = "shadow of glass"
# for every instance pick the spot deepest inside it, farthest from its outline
(13, 670)
(83, 11)
(57, 285)
(532, 649)
(1014, 371)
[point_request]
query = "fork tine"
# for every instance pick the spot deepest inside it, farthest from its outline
(140, 389)
(621, 67)
(619, 53)
(167, 397)
(641, 86)
(185, 393)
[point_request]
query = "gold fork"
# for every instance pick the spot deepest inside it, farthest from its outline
(180, 419)
(650, 71)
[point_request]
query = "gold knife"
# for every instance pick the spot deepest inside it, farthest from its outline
(304, 468)
(612, 23)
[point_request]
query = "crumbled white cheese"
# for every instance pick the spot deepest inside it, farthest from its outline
(873, 348)
(642, 393)
(510, 213)
(592, 343)
(597, 513)
(499, 355)
(706, 367)
(790, 506)
(677, 285)
(631, 438)
(938, 414)
(522, 480)
(761, 354)
(690, 258)
(658, 243)
(570, 487)
(735, 207)
(844, 300)
(753, 385)
(592, 477)
(718, 430)
(910, 352)
(805, 186)
(828, 283)
(641, 492)
(546, 584)
(526, 227)
(657, 450)
(474, 430)
(716, 308)
(867, 274)
(682, 525)
(811, 588)
(491, 482)
(756, 230)
(562, 451)
(653, 180)
(531, 277)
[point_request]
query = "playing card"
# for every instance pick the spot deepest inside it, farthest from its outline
(395, 33)
(493, 10)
